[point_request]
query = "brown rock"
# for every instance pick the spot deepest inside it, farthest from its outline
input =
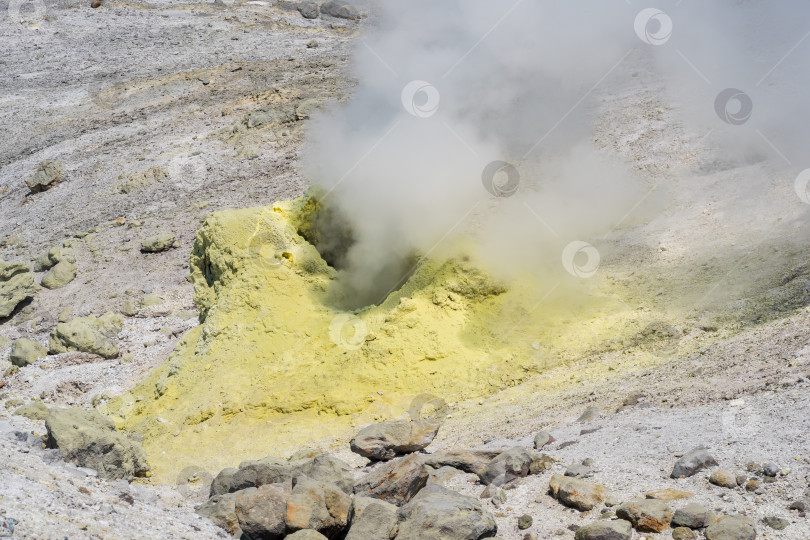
(386, 440)
(320, 506)
(683, 533)
(723, 479)
(396, 482)
(646, 515)
(576, 493)
(668, 494)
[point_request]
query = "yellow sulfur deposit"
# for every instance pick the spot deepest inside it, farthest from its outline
(273, 366)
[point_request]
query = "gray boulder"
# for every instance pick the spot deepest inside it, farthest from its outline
(507, 466)
(325, 468)
(371, 519)
(692, 515)
(16, 286)
(318, 505)
(309, 9)
(692, 462)
(396, 482)
(605, 530)
(732, 528)
(89, 439)
(259, 473)
(339, 9)
(221, 511)
(386, 440)
(543, 438)
(26, 351)
(223, 481)
(262, 511)
(591, 412)
(471, 461)
(437, 512)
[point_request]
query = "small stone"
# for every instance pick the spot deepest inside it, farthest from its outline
(589, 414)
(25, 352)
(732, 528)
(64, 315)
(471, 461)
(88, 334)
(313, 44)
(540, 464)
(693, 516)
(16, 286)
(668, 494)
(576, 493)
(741, 479)
(692, 462)
(129, 308)
(723, 479)
(683, 533)
(646, 515)
(524, 522)
(775, 522)
(752, 485)
(158, 243)
(770, 469)
(578, 471)
(753, 467)
(604, 530)
(340, 9)
(543, 438)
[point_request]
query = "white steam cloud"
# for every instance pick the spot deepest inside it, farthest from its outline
(447, 88)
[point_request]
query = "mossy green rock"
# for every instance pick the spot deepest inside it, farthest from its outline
(158, 243)
(88, 334)
(89, 439)
(26, 351)
(16, 285)
(33, 411)
(59, 276)
(51, 258)
(46, 176)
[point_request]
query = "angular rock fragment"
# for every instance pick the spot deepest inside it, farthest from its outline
(386, 440)
(692, 462)
(646, 515)
(437, 512)
(576, 493)
(396, 482)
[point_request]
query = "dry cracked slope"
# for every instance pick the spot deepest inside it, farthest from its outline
(216, 96)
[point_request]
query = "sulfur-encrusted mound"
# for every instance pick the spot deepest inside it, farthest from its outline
(274, 365)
